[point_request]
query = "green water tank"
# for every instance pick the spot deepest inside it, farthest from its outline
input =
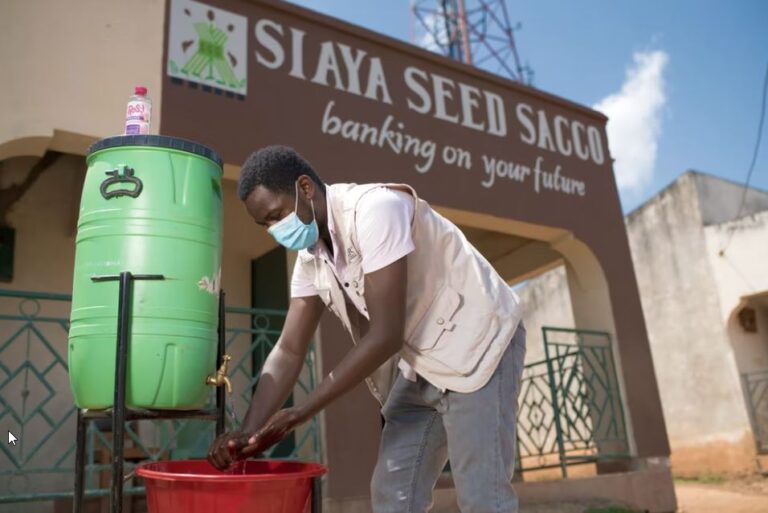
(150, 205)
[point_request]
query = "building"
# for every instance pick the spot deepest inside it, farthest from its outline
(527, 175)
(700, 265)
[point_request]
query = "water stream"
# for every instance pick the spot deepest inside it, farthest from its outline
(238, 466)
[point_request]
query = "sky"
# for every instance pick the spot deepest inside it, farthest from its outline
(680, 80)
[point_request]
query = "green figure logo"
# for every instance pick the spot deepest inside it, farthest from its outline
(219, 54)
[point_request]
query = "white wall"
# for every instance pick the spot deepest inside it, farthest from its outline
(740, 271)
(546, 302)
(692, 354)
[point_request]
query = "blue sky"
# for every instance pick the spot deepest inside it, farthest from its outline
(681, 76)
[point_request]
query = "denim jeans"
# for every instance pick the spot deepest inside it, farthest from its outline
(425, 427)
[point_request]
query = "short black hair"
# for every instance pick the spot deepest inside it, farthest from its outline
(275, 167)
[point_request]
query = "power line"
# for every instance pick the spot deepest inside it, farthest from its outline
(754, 159)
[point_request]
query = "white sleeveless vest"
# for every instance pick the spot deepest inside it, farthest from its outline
(460, 314)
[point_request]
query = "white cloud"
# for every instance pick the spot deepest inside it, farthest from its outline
(634, 120)
(431, 33)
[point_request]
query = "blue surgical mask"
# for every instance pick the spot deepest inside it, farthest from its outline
(292, 233)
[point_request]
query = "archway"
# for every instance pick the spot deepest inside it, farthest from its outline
(578, 349)
(748, 332)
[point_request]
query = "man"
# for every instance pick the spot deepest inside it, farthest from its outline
(437, 334)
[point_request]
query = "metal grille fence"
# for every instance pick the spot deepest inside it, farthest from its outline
(570, 409)
(756, 390)
(36, 402)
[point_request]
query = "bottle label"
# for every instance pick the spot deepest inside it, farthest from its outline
(136, 128)
(138, 110)
(137, 116)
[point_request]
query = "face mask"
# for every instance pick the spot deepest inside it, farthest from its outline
(294, 234)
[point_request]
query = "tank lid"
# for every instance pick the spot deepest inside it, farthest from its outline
(157, 141)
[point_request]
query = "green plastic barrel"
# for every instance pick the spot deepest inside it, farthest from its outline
(150, 205)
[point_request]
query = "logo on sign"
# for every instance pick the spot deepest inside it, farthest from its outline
(208, 46)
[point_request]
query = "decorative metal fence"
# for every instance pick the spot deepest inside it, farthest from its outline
(756, 391)
(37, 406)
(570, 406)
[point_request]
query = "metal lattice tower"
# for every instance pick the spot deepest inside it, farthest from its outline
(477, 32)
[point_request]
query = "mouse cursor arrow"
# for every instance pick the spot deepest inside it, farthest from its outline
(11, 438)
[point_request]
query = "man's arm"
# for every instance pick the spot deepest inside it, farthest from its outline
(285, 361)
(385, 291)
(278, 376)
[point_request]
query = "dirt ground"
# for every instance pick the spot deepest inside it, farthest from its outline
(572, 507)
(740, 495)
(748, 494)
(699, 498)
(754, 484)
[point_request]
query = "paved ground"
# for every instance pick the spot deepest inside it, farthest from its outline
(699, 498)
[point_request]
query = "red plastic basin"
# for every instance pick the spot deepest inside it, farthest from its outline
(194, 486)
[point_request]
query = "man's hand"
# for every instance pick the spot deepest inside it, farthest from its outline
(276, 428)
(227, 448)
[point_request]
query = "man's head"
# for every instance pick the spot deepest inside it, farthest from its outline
(275, 181)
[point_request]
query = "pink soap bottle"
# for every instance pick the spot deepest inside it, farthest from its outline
(138, 112)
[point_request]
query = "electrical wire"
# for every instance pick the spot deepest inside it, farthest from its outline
(754, 160)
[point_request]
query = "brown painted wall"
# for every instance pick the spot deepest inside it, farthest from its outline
(352, 424)
(280, 108)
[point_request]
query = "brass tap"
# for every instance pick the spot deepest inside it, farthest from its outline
(221, 375)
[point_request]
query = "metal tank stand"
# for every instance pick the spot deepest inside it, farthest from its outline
(317, 495)
(119, 414)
